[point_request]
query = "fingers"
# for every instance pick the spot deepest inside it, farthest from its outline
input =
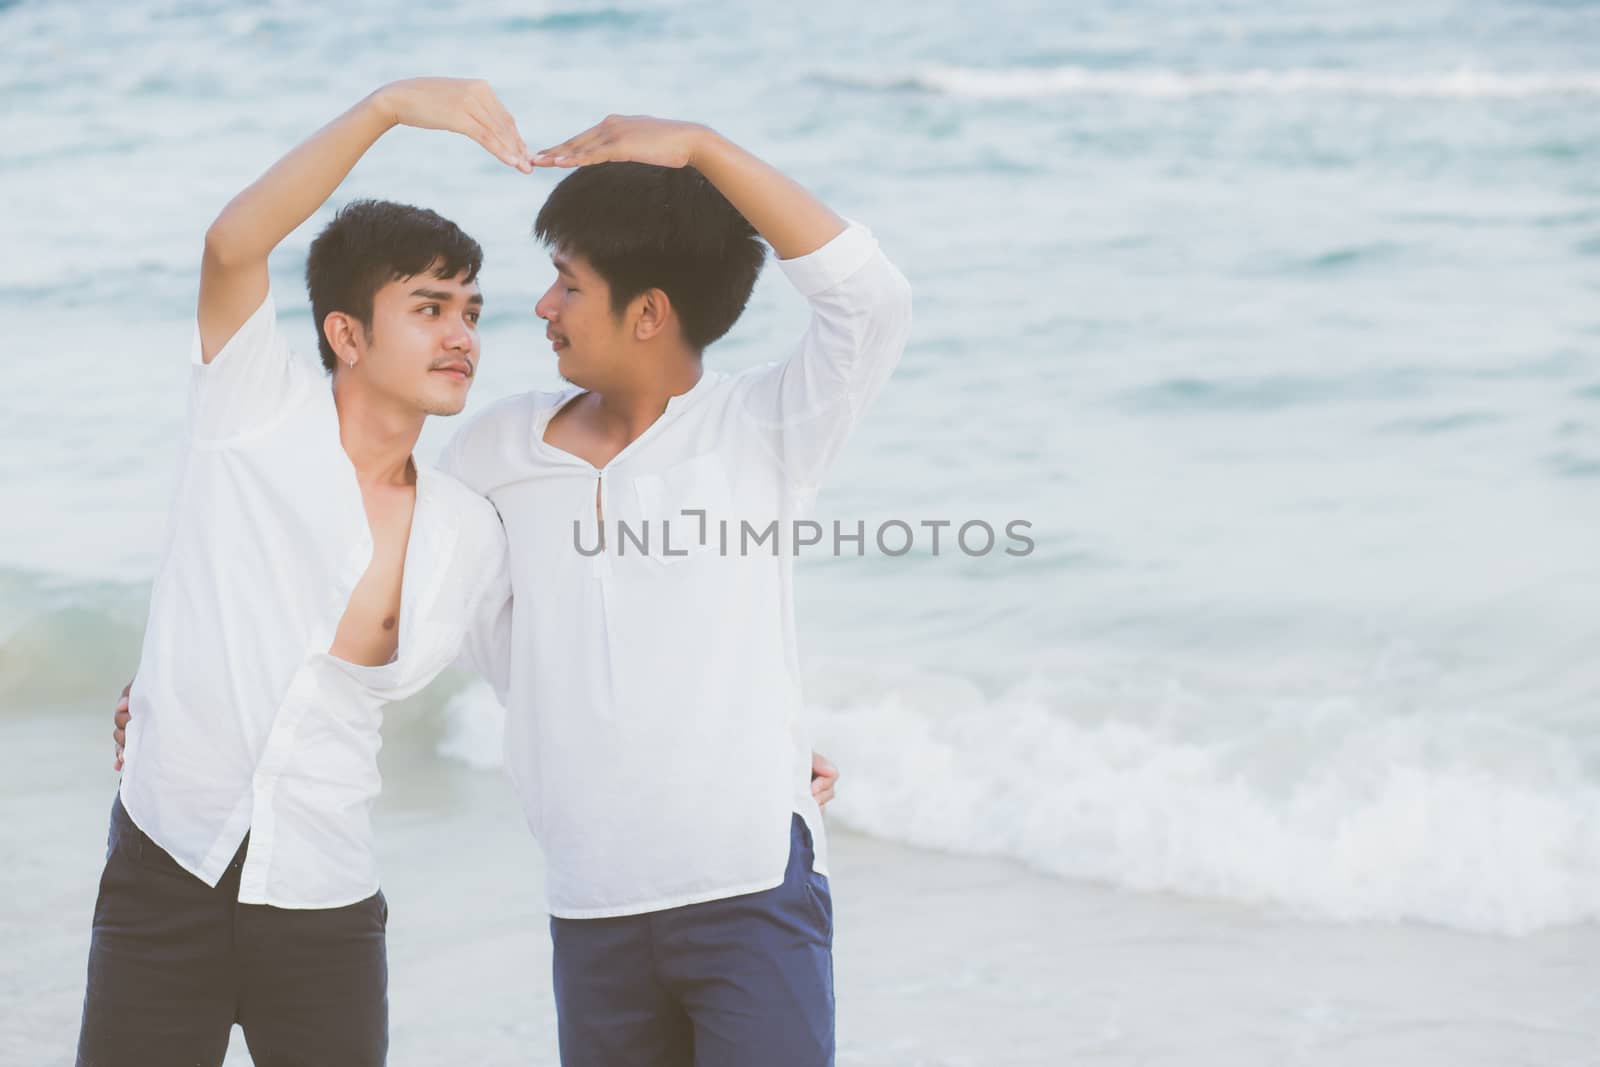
(120, 718)
(575, 151)
(489, 123)
(509, 131)
(502, 146)
(467, 106)
(505, 128)
(561, 155)
(824, 776)
(548, 156)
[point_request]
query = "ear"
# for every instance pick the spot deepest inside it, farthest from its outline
(654, 314)
(342, 332)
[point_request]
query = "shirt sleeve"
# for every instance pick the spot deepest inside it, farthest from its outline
(486, 645)
(452, 459)
(252, 380)
(804, 408)
(490, 448)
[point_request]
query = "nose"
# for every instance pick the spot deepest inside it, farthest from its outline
(546, 307)
(459, 337)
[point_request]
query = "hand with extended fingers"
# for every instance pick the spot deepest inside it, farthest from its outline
(467, 106)
(629, 139)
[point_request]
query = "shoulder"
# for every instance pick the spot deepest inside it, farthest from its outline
(476, 563)
(500, 435)
(509, 416)
(742, 378)
(472, 514)
(469, 509)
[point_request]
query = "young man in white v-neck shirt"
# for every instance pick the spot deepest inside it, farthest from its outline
(312, 572)
(655, 727)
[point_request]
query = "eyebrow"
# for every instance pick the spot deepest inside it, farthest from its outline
(439, 294)
(563, 265)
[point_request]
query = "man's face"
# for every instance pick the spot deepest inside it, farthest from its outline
(423, 346)
(586, 337)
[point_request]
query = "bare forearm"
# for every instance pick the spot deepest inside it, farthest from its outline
(790, 218)
(270, 208)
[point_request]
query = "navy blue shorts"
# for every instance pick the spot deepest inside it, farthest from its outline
(725, 983)
(174, 963)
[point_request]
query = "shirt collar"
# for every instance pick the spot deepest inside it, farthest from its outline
(676, 405)
(696, 391)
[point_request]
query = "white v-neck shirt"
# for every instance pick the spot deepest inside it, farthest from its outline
(654, 724)
(241, 719)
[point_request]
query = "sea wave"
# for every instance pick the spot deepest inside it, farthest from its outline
(64, 641)
(1020, 83)
(1394, 797)
(1329, 810)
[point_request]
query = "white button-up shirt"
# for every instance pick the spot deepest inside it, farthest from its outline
(241, 720)
(654, 727)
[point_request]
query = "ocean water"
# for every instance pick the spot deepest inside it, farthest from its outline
(1280, 327)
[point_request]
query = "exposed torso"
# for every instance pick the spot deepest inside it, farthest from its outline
(369, 631)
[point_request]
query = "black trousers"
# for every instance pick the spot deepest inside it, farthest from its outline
(175, 963)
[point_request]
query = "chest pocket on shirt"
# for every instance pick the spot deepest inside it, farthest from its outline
(697, 484)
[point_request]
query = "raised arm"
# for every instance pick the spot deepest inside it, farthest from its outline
(787, 216)
(804, 408)
(233, 269)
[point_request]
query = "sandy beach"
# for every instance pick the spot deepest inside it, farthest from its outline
(941, 959)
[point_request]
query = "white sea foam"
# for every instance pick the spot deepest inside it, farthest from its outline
(1330, 811)
(474, 728)
(1004, 83)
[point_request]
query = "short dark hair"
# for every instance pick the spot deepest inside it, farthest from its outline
(643, 227)
(370, 243)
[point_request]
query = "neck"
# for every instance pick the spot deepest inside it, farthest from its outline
(378, 435)
(629, 409)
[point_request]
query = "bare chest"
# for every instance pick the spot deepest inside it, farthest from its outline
(369, 631)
